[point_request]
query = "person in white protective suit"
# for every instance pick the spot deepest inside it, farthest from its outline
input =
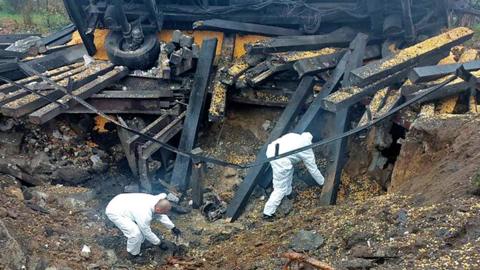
(132, 214)
(283, 168)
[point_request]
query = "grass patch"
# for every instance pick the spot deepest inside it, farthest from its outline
(42, 21)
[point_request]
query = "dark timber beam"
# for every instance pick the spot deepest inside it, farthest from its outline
(241, 27)
(429, 73)
(52, 110)
(255, 174)
(340, 125)
(435, 47)
(216, 112)
(30, 102)
(198, 95)
(149, 148)
(339, 38)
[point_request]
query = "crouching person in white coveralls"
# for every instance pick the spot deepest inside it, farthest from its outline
(283, 168)
(132, 214)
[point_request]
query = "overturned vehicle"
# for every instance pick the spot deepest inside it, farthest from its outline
(134, 24)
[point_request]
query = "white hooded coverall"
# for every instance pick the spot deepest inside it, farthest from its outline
(283, 168)
(132, 214)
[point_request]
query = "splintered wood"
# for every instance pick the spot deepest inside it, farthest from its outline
(298, 258)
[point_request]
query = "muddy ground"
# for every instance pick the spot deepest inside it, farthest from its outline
(429, 219)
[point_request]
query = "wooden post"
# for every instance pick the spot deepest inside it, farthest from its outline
(197, 184)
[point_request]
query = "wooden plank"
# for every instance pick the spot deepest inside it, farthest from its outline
(216, 112)
(31, 102)
(375, 105)
(37, 85)
(349, 96)
(197, 184)
(165, 134)
(52, 110)
(254, 175)
(133, 94)
(196, 104)
(338, 148)
(7, 88)
(152, 128)
(438, 47)
(125, 106)
(429, 73)
(149, 148)
(242, 27)
(124, 135)
(339, 38)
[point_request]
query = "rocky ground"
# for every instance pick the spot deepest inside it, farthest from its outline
(57, 179)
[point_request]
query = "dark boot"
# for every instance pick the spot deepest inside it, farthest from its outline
(268, 218)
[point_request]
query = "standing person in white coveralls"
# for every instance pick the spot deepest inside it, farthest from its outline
(283, 168)
(132, 214)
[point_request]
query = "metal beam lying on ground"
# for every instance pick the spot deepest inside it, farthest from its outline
(254, 175)
(52, 110)
(437, 47)
(339, 38)
(241, 27)
(198, 95)
(429, 73)
(218, 104)
(31, 102)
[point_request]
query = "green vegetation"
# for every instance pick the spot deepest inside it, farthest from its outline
(32, 17)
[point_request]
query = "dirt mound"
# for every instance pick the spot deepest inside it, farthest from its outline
(439, 157)
(386, 232)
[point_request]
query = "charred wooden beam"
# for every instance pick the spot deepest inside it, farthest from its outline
(216, 112)
(262, 97)
(284, 123)
(317, 64)
(321, 63)
(149, 148)
(198, 172)
(125, 106)
(124, 135)
(139, 94)
(456, 87)
(27, 103)
(375, 105)
(196, 103)
(60, 37)
(7, 88)
(436, 47)
(339, 38)
(424, 74)
(52, 110)
(328, 196)
(241, 27)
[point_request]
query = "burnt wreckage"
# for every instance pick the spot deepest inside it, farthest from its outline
(304, 47)
(133, 23)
